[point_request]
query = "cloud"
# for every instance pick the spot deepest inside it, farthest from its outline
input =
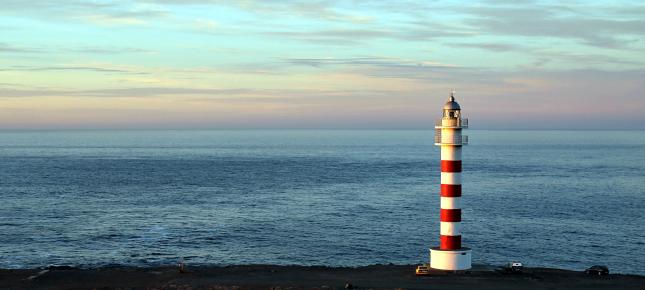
(161, 91)
(95, 12)
(19, 93)
(386, 62)
(384, 67)
(72, 68)
(120, 92)
(9, 48)
(18, 49)
(321, 10)
(108, 50)
(414, 31)
(206, 25)
(489, 46)
(588, 60)
(555, 22)
(138, 12)
(237, 95)
(552, 55)
(616, 27)
(334, 36)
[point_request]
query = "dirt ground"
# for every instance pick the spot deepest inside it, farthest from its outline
(301, 277)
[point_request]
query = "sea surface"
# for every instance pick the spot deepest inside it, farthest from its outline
(567, 199)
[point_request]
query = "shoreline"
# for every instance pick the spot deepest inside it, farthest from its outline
(305, 277)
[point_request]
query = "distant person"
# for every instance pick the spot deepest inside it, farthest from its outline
(182, 266)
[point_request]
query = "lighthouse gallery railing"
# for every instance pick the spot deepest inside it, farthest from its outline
(454, 122)
(449, 140)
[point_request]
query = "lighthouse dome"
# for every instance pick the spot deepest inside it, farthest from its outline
(451, 104)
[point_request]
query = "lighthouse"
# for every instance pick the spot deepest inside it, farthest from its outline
(450, 255)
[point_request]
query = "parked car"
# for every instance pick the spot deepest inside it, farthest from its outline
(597, 270)
(514, 267)
(422, 270)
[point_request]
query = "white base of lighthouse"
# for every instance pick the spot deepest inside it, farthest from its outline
(453, 260)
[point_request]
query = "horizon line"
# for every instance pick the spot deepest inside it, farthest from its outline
(313, 129)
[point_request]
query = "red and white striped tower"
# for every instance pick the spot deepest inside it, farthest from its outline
(450, 255)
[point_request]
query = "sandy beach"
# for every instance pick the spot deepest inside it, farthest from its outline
(303, 277)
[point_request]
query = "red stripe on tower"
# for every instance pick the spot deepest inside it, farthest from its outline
(450, 215)
(450, 165)
(450, 242)
(451, 190)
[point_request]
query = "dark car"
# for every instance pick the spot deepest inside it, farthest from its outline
(514, 267)
(597, 270)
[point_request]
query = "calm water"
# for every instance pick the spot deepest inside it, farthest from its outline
(565, 199)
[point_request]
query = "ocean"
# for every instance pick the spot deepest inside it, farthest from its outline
(567, 199)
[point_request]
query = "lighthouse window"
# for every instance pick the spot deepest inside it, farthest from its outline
(451, 114)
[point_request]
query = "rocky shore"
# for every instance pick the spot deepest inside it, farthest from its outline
(306, 277)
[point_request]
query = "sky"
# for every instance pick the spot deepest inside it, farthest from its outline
(208, 64)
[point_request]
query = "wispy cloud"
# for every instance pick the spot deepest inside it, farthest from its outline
(384, 67)
(386, 62)
(99, 13)
(413, 32)
(555, 22)
(162, 91)
(106, 50)
(70, 68)
(552, 55)
(322, 10)
(245, 95)
(588, 60)
(5, 47)
(109, 50)
(141, 92)
(206, 25)
(490, 46)
(335, 37)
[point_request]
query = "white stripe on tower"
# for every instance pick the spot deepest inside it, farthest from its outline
(450, 154)
(450, 229)
(450, 202)
(450, 177)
